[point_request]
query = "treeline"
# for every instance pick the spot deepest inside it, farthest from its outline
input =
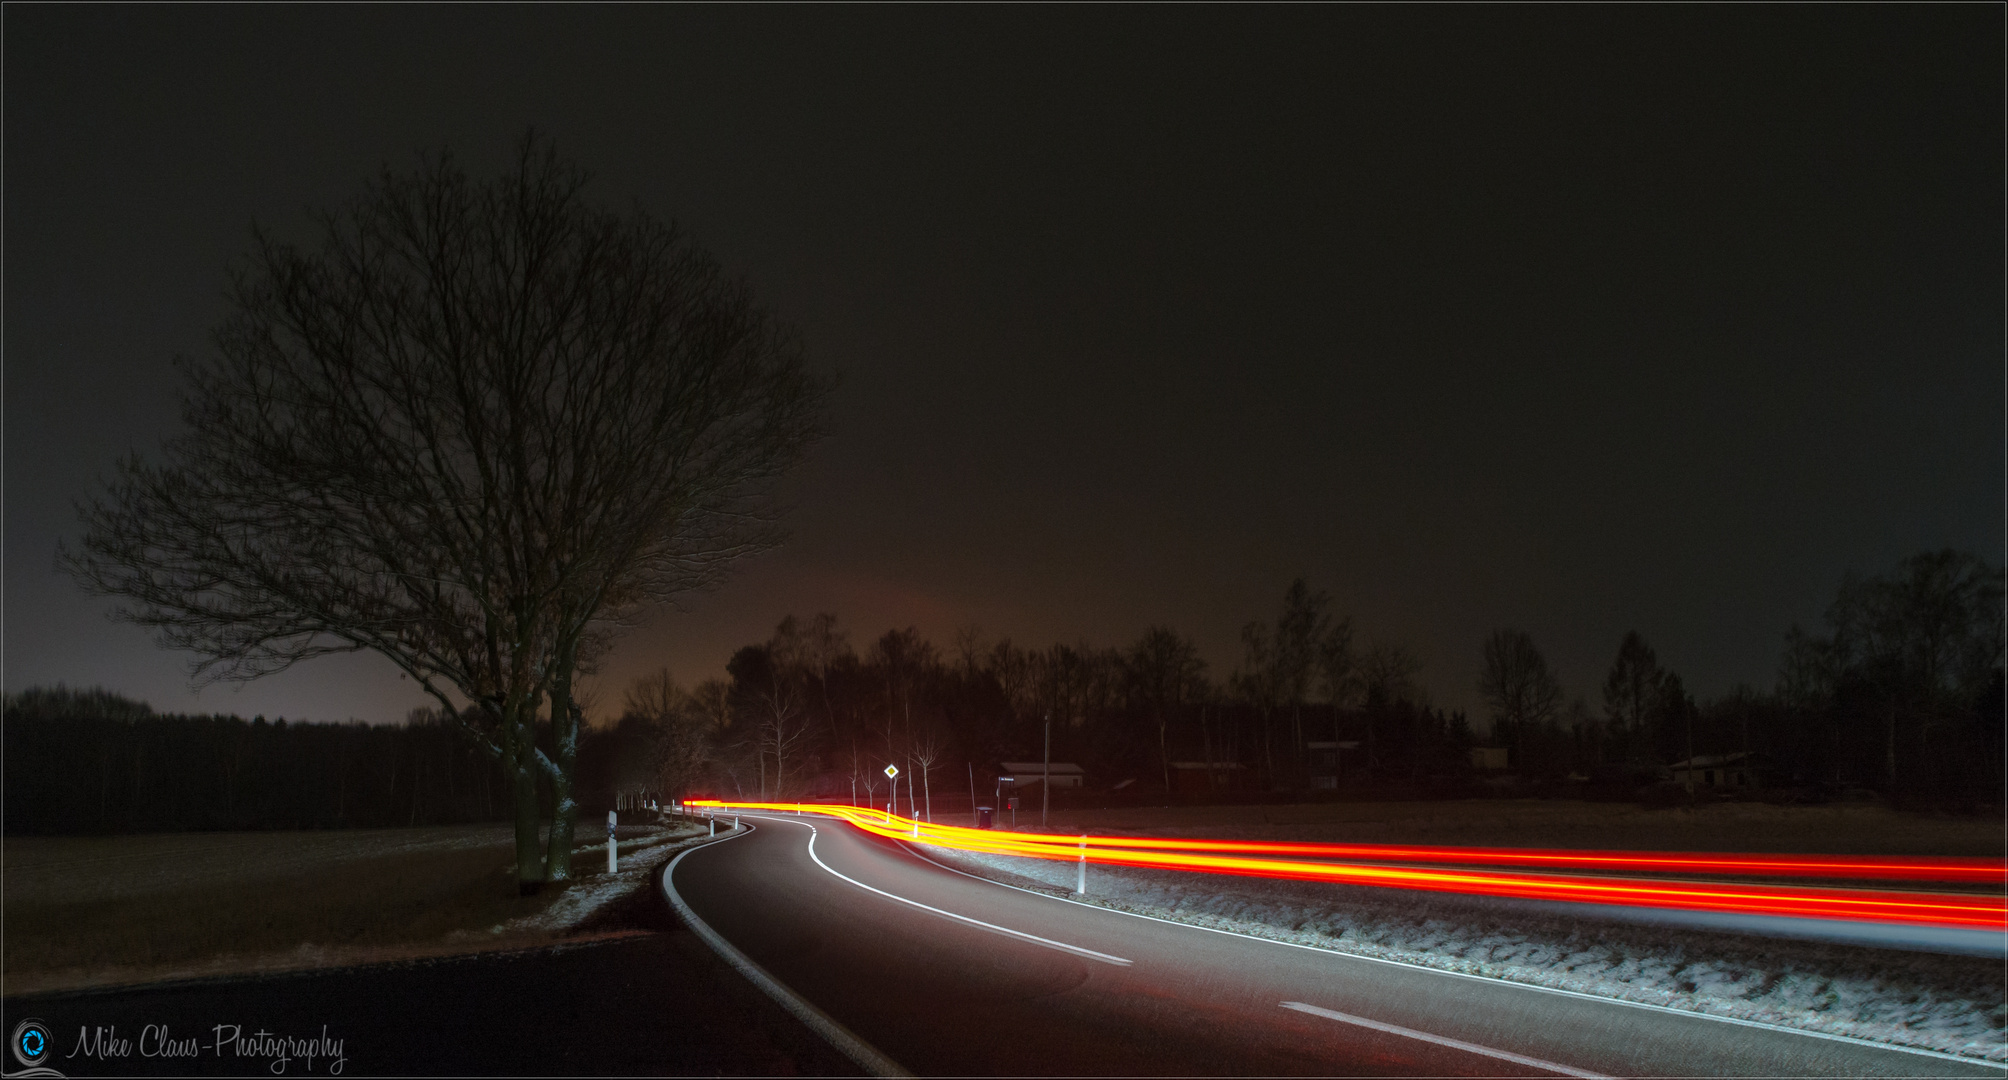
(89, 761)
(1902, 694)
(807, 713)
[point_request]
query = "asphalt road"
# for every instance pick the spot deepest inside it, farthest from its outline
(997, 981)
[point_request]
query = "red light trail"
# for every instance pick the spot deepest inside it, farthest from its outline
(1442, 872)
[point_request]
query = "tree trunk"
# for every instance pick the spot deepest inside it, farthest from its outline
(1205, 745)
(1690, 758)
(1300, 750)
(565, 740)
(1890, 751)
(521, 762)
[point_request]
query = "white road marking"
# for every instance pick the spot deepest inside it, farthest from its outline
(1735, 1021)
(868, 1057)
(992, 927)
(1455, 1044)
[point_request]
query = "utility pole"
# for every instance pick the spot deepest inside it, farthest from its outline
(1046, 774)
(1682, 706)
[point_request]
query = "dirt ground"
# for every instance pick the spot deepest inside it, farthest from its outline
(1840, 829)
(98, 911)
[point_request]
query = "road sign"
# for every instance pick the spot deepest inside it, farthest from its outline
(892, 771)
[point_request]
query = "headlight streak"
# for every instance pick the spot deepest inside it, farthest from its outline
(1255, 859)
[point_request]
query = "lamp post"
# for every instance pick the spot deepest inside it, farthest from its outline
(1046, 773)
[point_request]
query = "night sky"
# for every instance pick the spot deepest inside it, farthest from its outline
(1573, 320)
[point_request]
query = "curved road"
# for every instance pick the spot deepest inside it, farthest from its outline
(950, 975)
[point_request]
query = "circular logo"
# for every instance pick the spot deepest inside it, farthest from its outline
(31, 1042)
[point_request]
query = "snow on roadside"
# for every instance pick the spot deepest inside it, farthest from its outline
(590, 893)
(1950, 1004)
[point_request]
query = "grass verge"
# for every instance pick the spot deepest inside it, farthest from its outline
(90, 912)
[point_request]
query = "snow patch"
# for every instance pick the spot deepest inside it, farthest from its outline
(639, 858)
(1947, 1003)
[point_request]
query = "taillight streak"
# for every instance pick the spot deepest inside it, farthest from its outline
(1255, 859)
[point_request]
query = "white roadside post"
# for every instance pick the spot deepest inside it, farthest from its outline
(612, 818)
(1081, 882)
(892, 773)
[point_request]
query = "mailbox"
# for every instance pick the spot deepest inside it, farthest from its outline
(982, 817)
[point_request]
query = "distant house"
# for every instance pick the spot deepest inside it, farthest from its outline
(1328, 762)
(1012, 775)
(1489, 758)
(1201, 777)
(1742, 770)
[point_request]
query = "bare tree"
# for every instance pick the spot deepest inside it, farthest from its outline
(1632, 692)
(824, 648)
(1384, 679)
(783, 728)
(1920, 644)
(927, 751)
(1256, 683)
(712, 703)
(1167, 675)
(476, 430)
(1302, 628)
(1339, 675)
(902, 660)
(679, 750)
(1387, 674)
(1519, 687)
(968, 644)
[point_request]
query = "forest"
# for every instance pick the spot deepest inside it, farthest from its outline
(1898, 694)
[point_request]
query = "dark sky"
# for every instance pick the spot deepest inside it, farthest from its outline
(1575, 320)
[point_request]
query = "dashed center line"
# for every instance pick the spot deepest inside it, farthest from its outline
(1455, 1044)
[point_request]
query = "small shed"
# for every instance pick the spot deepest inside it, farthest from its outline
(1327, 762)
(1489, 758)
(1012, 775)
(1740, 771)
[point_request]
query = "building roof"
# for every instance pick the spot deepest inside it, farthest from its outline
(1714, 761)
(1057, 768)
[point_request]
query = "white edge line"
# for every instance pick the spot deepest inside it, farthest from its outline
(864, 1054)
(1455, 1044)
(992, 927)
(1736, 1020)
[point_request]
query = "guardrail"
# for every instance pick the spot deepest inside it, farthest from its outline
(1448, 869)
